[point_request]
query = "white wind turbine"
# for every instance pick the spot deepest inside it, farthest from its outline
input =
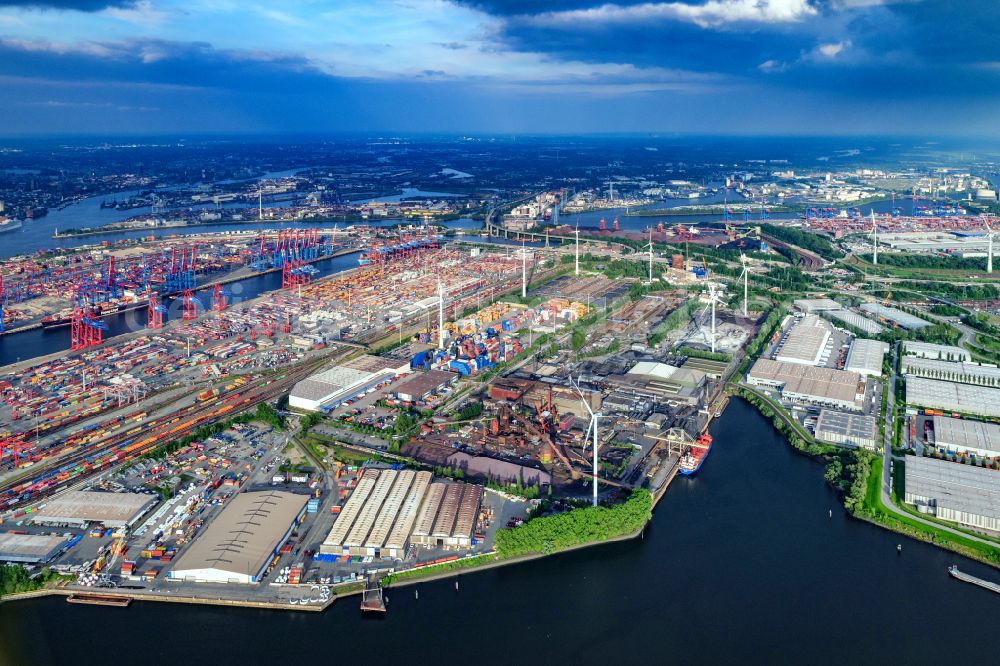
(989, 248)
(746, 280)
(650, 246)
(594, 419)
(577, 248)
(713, 297)
(874, 237)
(524, 270)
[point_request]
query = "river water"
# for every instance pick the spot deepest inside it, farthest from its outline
(740, 565)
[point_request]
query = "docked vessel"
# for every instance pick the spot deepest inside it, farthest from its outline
(65, 317)
(9, 224)
(400, 250)
(695, 456)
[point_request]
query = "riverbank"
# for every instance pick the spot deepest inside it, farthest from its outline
(118, 228)
(860, 495)
(712, 209)
(347, 590)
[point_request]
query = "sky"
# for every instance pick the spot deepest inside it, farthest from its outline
(744, 67)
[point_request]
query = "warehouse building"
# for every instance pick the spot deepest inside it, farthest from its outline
(377, 364)
(713, 369)
(238, 545)
(824, 387)
(865, 357)
(806, 342)
(421, 385)
(952, 397)
(32, 548)
(656, 382)
(854, 320)
(895, 316)
(934, 351)
(963, 494)
(671, 374)
(449, 516)
(328, 389)
(952, 371)
(814, 305)
(77, 508)
(844, 429)
(964, 436)
(387, 509)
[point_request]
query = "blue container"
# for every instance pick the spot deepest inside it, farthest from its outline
(419, 360)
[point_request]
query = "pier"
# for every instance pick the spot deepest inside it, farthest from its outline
(372, 599)
(968, 578)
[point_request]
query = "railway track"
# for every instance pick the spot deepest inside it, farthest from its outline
(46, 479)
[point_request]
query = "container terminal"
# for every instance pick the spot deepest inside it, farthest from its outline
(425, 410)
(48, 287)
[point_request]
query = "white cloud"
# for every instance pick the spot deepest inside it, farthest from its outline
(142, 13)
(772, 66)
(833, 49)
(369, 39)
(713, 13)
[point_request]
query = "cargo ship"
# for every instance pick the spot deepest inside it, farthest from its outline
(65, 317)
(400, 250)
(692, 461)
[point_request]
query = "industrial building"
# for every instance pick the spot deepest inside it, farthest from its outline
(964, 436)
(713, 369)
(825, 387)
(865, 357)
(421, 385)
(952, 397)
(239, 544)
(814, 305)
(894, 316)
(856, 430)
(806, 342)
(32, 548)
(952, 371)
(387, 509)
(963, 494)
(963, 244)
(935, 351)
(329, 388)
(448, 517)
(77, 508)
(657, 382)
(854, 320)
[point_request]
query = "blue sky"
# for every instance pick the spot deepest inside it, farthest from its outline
(565, 66)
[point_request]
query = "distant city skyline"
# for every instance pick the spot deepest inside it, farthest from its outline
(825, 67)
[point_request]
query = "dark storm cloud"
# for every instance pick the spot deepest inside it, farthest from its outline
(189, 64)
(853, 48)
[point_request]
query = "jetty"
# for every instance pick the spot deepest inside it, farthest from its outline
(372, 599)
(968, 578)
